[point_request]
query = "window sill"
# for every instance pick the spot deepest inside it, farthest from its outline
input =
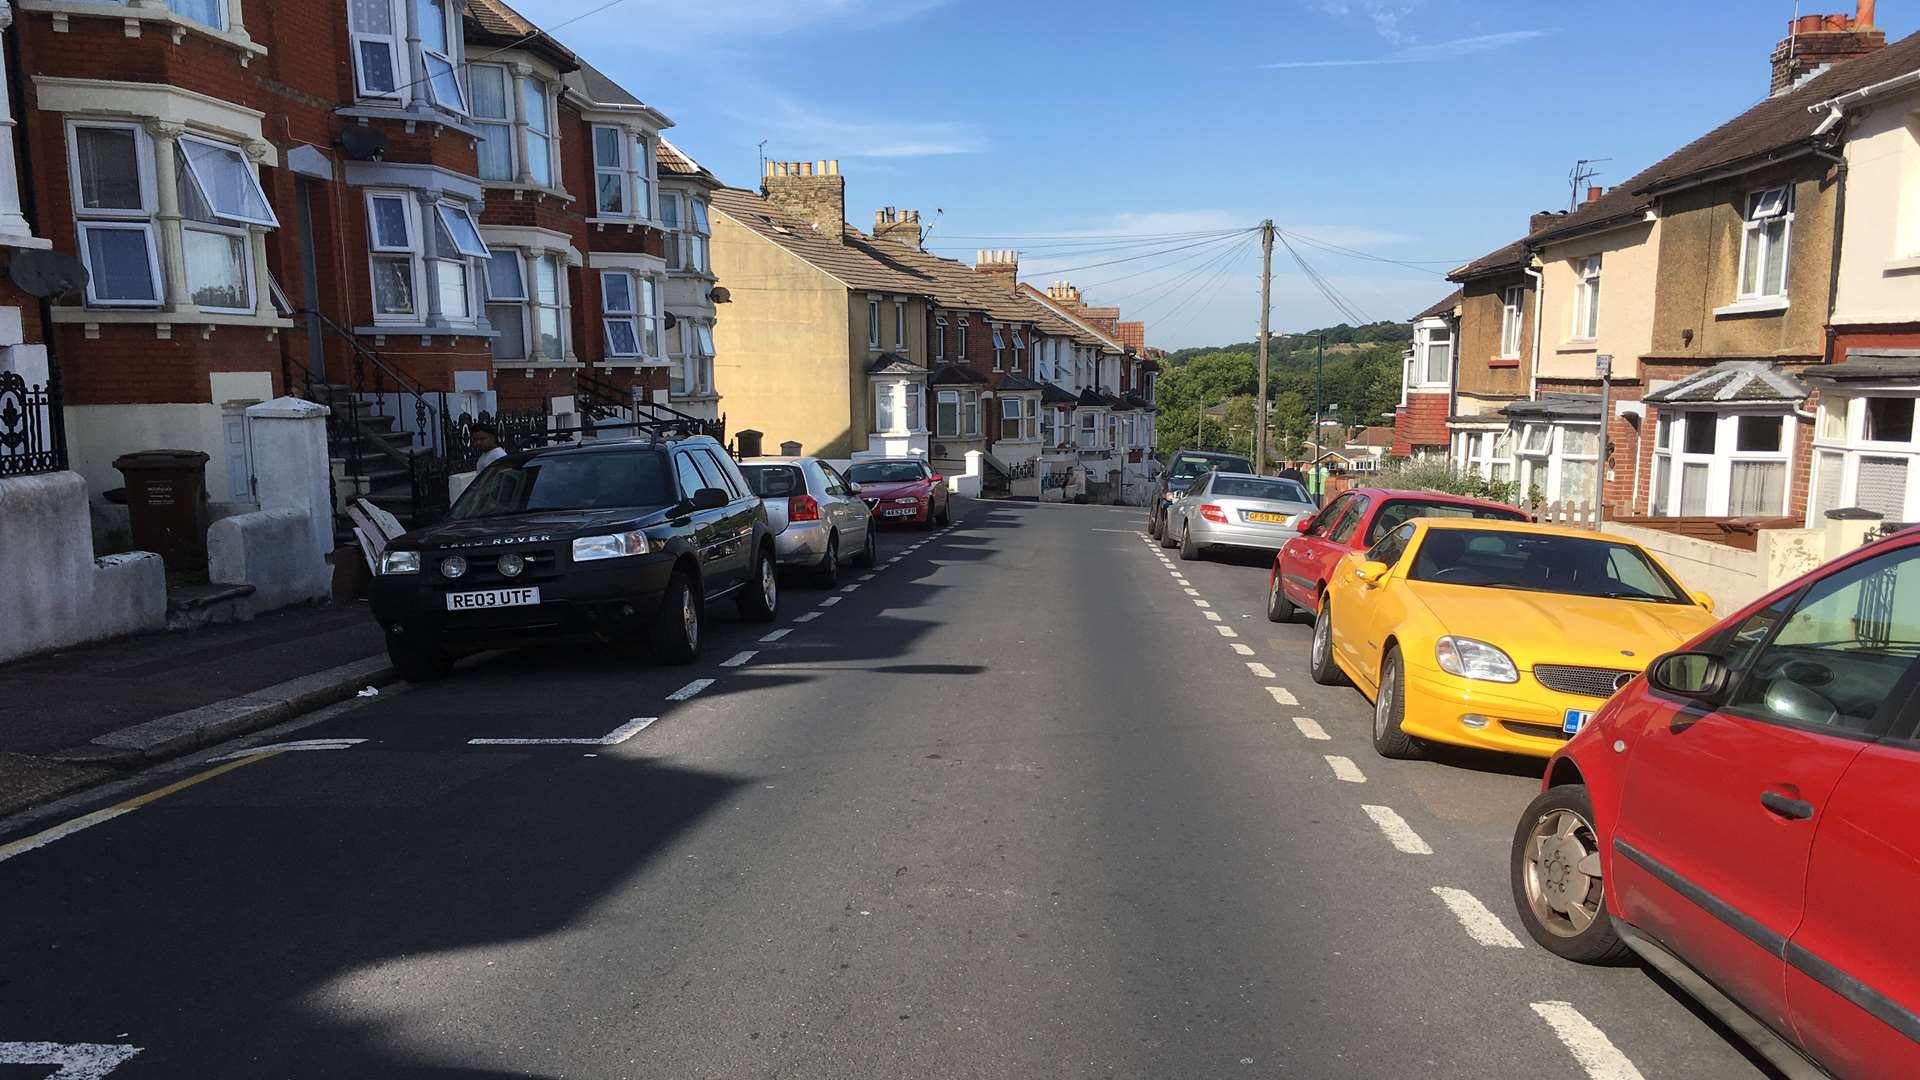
(163, 321)
(634, 362)
(381, 331)
(521, 191)
(1504, 362)
(400, 111)
(1762, 305)
(706, 399)
(628, 224)
(178, 26)
(1901, 266)
(24, 241)
(1578, 345)
(531, 366)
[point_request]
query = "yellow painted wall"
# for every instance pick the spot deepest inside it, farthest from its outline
(1700, 231)
(1880, 242)
(1629, 260)
(782, 346)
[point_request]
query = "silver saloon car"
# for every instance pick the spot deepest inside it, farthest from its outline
(817, 520)
(1227, 509)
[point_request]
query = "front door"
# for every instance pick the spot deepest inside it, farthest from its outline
(1721, 804)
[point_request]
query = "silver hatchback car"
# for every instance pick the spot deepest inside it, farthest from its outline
(817, 520)
(1230, 509)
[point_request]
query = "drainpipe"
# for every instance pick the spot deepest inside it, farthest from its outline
(1539, 308)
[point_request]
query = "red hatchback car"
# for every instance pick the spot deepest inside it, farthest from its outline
(902, 491)
(1746, 817)
(1353, 522)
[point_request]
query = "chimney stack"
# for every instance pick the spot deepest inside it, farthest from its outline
(813, 191)
(1594, 193)
(1815, 43)
(1065, 294)
(1542, 220)
(899, 226)
(1002, 266)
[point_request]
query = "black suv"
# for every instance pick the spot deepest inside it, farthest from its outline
(1183, 468)
(606, 538)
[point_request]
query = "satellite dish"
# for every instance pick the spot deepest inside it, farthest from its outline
(719, 294)
(363, 143)
(48, 275)
(672, 321)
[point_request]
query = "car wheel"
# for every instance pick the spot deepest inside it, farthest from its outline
(418, 664)
(1153, 527)
(676, 626)
(946, 511)
(1390, 708)
(1166, 533)
(1557, 885)
(869, 556)
(1320, 654)
(828, 572)
(760, 597)
(1188, 550)
(1279, 608)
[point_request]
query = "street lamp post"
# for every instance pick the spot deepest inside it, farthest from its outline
(1603, 367)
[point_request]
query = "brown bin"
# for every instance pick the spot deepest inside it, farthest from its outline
(167, 505)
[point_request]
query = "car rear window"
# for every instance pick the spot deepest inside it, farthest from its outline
(887, 472)
(1234, 487)
(1188, 466)
(1401, 510)
(592, 481)
(774, 481)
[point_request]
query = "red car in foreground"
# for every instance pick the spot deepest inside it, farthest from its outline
(1353, 522)
(902, 491)
(1746, 817)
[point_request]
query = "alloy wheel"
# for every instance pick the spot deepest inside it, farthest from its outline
(1562, 876)
(1322, 636)
(1383, 701)
(690, 618)
(769, 588)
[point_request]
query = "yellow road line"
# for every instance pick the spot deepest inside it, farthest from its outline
(87, 821)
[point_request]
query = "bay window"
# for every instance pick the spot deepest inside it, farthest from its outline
(219, 197)
(1437, 359)
(1512, 315)
(393, 233)
(1485, 454)
(1764, 238)
(493, 115)
(1013, 418)
(439, 23)
(957, 414)
(536, 115)
(612, 171)
(549, 276)
(114, 201)
(1712, 464)
(620, 314)
(376, 31)
(916, 407)
(883, 398)
(457, 243)
(670, 224)
(1865, 454)
(1089, 430)
(692, 373)
(507, 304)
(1561, 459)
(698, 232)
(402, 256)
(1586, 299)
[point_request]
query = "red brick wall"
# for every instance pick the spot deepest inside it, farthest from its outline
(1420, 423)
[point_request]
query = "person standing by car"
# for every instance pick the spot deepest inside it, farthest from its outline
(1292, 472)
(486, 442)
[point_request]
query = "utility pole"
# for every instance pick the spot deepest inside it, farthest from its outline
(1266, 313)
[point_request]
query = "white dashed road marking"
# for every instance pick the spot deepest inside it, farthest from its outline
(869, 577)
(302, 744)
(612, 738)
(1259, 669)
(1227, 631)
(1311, 728)
(1588, 1044)
(1243, 650)
(1343, 767)
(76, 1061)
(1397, 830)
(850, 588)
(1282, 695)
(1481, 924)
(778, 634)
(829, 601)
(1197, 602)
(808, 617)
(738, 658)
(1212, 616)
(1196, 592)
(690, 690)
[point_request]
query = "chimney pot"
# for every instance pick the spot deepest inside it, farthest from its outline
(1594, 193)
(1863, 15)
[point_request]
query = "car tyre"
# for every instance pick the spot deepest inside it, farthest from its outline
(1320, 663)
(827, 573)
(418, 664)
(1557, 885)
(1166, 533)
(1153, 527)
(676, 630)
(869, 556)
(759, 598)
(1279, 608)
(1189, 551)
(1390, 709)
(946, 511)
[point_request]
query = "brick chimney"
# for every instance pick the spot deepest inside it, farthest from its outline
(899, 226)
(1545, 219)
(1594, 193)
(813, 191)
(1817, 42)
(1064, 294)
(1002, 266)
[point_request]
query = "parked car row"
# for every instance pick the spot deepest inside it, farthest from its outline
(630, 539)
(1737, 802)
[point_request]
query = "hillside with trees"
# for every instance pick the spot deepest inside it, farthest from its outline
(1361, 377)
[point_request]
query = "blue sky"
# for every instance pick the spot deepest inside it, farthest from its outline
(1416, 130)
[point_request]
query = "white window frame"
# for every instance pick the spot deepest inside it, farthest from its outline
(549, 134)
(450, 17)
(1671, 459)
(1513, 307)
(698, 232)
(999, 347)
(1586, 298)
(1853, 446)
(1437, 338)
(521, 301)
(886, 408)
(900, 324)
(503, 123)
(620, 170)
(674, 259)
(414, 250)
(629, 315)
(535, 306)
(124, 219)
(962, 343)
(399, 16)
(1087, 426)
(1762, 208)
(940, 337)
(916, 408)
(873, 324)
(1012, 408)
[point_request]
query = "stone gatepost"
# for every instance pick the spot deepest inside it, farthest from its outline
(288, 440)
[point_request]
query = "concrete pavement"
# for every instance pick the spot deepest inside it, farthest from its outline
(1012, 805)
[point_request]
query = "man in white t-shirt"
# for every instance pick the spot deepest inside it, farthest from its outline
(487, 441)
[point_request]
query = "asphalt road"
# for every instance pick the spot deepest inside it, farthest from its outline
(1013, 806)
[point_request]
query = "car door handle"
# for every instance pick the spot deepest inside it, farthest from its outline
(1783, 806)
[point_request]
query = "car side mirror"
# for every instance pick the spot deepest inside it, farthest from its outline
(1306, 523)
(710, 499)
(1689, 674)
(853, 487)
(1371, 574)
(1703, 600)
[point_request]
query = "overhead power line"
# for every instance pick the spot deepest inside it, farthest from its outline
(1134, 258)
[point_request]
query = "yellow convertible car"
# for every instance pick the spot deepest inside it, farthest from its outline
(1498, 635)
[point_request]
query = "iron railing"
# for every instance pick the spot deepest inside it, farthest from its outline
(29, 435)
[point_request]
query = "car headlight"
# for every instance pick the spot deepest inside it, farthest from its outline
(399, 562)
(616, 546)
(908, 500)
(1472, 659)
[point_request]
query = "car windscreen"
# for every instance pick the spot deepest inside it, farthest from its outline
(1402, 510)
(1542, 562)
(775, 481)
(591, 481)
(1188, 466)
(1235, 487)
(887, 472)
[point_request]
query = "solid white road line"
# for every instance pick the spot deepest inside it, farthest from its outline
(612, 738)
(1282, 695)
(778, 634)
(1344, 769)
(76, 1061)
(1259, 669)
(829, 601)
(808, 617)
(1130, 532)
(1397, 830)
(738, 658)
(1588, 1044)
(1481, 924)
(1227, 631)
(690, 690)
(1311, 728)
(1212, 616)
(60, 832)
(1243, 650)
(302, 744)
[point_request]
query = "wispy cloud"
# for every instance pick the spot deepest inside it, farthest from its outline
(1385, 16)
(795, 127)
(1427, 54)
